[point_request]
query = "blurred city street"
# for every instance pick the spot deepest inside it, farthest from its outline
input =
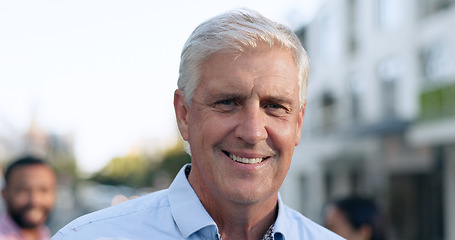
(379, 119)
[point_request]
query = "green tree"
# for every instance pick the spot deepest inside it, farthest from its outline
(141, 171)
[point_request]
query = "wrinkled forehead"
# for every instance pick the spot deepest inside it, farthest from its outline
(266, 71)
(236, 57)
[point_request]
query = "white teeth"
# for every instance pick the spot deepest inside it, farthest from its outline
(245, 160)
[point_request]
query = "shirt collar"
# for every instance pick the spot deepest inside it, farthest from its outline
(187, 210)
(281, 224)
(9, 228)
(191, 216)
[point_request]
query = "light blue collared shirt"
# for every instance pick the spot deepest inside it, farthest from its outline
(176, 213)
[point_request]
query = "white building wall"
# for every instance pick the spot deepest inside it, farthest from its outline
(331, 65)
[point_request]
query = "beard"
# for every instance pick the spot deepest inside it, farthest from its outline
(29, 217)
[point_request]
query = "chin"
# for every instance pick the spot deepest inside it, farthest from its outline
(25, 222)
(247, 196)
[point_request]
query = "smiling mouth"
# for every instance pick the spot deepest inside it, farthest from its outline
(244, 160)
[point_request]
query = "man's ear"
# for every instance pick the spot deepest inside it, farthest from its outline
(4, 193)
(299, 125)
(181, 113)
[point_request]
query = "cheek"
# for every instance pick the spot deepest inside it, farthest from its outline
(208, 128)
(47, 193)
(19, 199)
(344, 229)
(49, 199)
(282, 135)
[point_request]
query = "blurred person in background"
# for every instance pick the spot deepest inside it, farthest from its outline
(355, 218)
(240, 104)
(29, 194)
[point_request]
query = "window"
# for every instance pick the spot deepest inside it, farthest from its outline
(351, 26)
(304, 193)
(416, 205)
(388, 73)
(429, 7)
(355, 88)
(436, 62)
(327, 36)
(389, 14)
(329, 118)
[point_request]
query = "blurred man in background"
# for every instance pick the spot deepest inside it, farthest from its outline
(29, 194)
(355, 218)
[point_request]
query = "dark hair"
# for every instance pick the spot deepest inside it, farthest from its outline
(362, 211)
(23, 161)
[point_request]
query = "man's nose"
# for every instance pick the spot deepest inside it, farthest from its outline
(252, 125)
(35, 198)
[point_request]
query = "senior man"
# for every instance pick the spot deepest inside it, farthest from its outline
(240, 104)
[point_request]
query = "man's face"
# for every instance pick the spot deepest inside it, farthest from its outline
(30, 194)
(243, 124)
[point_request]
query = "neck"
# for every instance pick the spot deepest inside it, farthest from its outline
(32, 233)
(248, 224)
(249, 221)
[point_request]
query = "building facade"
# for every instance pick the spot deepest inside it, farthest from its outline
(380, 117)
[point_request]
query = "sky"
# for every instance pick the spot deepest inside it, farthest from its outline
(105, 71)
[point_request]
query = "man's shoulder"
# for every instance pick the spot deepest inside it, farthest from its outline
(305, 228)
(145, 208)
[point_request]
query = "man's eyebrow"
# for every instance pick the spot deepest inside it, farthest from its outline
(279, 99)
(226, 95)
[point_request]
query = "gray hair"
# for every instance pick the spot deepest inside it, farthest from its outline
(235, 32)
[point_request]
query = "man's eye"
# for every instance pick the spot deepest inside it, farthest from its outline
(225, 102)
(276, 109)
(226, 105)
(273, 105)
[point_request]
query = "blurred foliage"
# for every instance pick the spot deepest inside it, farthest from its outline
(128, 170)
(174, 159)
(144, 171)
(64, 163)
